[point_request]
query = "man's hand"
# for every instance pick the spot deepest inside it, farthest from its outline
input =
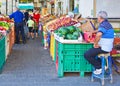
(98, 36)
(96, 46)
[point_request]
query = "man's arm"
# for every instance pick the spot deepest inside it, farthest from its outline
(98, 36)
(11, 16)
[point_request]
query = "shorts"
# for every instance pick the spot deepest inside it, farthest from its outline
(35, 30)
(31, 29)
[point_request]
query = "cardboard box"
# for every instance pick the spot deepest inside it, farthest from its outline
(86, 25)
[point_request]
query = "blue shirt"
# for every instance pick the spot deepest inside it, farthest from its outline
(18, 16)
(106, 33)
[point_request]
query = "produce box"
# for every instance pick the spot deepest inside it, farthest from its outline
(61, 40)
(70, 58)
(70, 34)
(116, 40)
(86, 26)
(117, 30)
(7, 45)
(2, 52)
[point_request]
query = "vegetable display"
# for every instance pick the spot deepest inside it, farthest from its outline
(70, 33)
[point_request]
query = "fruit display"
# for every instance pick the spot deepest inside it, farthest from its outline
(60, 22)
(5, 19)
(4, 26)
(70, 32)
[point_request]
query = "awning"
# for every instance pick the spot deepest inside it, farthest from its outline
(25, 6)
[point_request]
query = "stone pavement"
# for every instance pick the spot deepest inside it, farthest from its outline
(31, 65)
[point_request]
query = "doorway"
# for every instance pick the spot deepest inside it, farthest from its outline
(71, 5)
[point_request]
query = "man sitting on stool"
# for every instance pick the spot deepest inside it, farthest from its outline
(103, 42)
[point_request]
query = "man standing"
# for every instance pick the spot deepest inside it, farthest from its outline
(18, 17)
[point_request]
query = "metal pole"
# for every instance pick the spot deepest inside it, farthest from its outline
(94, 8)
(12, 5)
(6, 7)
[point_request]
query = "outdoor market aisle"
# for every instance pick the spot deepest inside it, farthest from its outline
(31, 65)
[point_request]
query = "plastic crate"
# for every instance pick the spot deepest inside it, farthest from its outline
(70, 58)
(2, 52)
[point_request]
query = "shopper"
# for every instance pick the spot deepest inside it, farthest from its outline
(18, 17)
(36, 17)
(103, 42)
(26, 14)
(40, 27)
(30, 25)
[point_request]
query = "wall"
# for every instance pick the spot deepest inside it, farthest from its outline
(85, 7)
(3, 7)
(111, 6)
(10, 7)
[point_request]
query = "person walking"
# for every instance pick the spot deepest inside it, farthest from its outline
(18, 17)
(26, 14)
(36, 17)
(30, 24)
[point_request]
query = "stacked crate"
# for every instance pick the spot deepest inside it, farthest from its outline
(2, 52)
(70, 58)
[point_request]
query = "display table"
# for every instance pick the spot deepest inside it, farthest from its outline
(70, 57)
(10, 40)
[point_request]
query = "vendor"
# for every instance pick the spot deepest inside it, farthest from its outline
(103, 42)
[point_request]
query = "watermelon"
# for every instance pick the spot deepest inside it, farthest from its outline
(56, 31)
(71, 29)
(76, 33)
(69, 36)
(74, 37)
(60, 34)
(63, 30)
(78, 29)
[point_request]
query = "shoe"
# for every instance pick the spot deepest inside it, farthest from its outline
(45, 48)
(24, 42)
(97, 71)
(106, 67)
(17, 42)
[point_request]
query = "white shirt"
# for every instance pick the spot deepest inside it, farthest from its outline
(106, 44)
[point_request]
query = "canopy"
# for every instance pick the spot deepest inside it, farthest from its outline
(25, 6)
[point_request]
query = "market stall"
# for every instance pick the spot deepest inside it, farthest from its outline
(68, 44)
(7, 38)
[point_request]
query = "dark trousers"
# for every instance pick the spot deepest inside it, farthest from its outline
(91, 54)
(19, 30)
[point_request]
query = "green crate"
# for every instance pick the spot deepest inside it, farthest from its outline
(2, 52)
(71, 58)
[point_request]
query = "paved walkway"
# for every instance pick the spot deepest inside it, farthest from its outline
(31, 65)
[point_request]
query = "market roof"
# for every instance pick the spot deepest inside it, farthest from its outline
(24, 6)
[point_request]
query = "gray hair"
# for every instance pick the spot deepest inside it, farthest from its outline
(103, 14)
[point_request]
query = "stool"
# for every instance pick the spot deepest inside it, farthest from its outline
(106, 74)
